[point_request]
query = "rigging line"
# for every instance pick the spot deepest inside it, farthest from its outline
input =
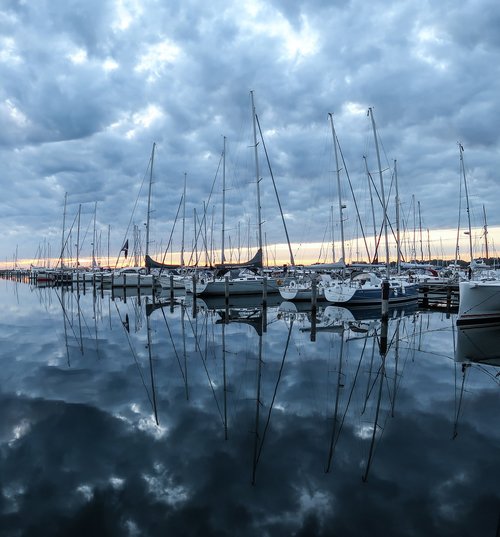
(487, 372)
(335, 439)
(80, 313)
(66, 241)
(354, 198)
(323, 242)
(171, 233)
(135, 207)
(204, 236)
(85, 235)
(173, 344)
(134, 355)
(151, 370)
(268, 420)
(483, 301)
(385, 207)
(198, 348)
(67, 318)
(292, 260)
(458, 405)
(374, 380)
(207, 205)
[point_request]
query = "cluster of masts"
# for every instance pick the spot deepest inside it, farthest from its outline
(70, 252)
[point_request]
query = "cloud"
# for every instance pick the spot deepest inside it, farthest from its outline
(94, 85)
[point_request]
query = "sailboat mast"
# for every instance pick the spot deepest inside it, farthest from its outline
(420, 231)
(148, 216)
(414, 247)
(63, 229)
(223, 258)
(109, 234)
(339, 191)
(384, 206)
(469, 232)
(205, 240)
(257, 173)
(195, 238)
(485, 227)
(333, 234)
(94, 237)
(398, 237)
(78, 238)
(239, 241)
(375, 251)
(183, 220)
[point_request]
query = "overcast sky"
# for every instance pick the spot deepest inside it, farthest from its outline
(87, 87)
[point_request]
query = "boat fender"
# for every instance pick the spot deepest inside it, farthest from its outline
(279, 282)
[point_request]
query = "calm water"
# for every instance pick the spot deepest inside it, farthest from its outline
(120, 419)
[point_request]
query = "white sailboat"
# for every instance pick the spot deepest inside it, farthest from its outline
(134, 276)
(303, 289)
(479, 301)
(366, 288)
(238, 279)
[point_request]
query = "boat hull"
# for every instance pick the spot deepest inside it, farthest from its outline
(399, 293)
(133, 280)
(233, 287)
(479, 302)
(297, 293)
(166, 282)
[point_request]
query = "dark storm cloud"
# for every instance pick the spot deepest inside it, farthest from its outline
(85, 96)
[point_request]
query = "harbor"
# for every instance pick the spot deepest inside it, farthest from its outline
(249, 269)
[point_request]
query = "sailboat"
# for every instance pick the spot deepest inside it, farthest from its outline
(238, 278)
(169, 276)
(366, 288)
(134, 276)
(303, 289)
(479, 300)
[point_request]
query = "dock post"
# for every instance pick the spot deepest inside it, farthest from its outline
(385, 299)
(425, 290)
(314, 309)
(264, 292)
(194, 295)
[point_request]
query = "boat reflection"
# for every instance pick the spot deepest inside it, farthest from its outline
(336, 318)
(358, 358)
(478, 345)
(233, 301)
(477, 349)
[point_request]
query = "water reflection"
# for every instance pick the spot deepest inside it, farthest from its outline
(478, 353)
(143, 415)
(480, 345)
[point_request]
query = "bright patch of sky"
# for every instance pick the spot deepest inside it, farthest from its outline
(8, 51)
(156, 58)
(262, 20)
(126, 12)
